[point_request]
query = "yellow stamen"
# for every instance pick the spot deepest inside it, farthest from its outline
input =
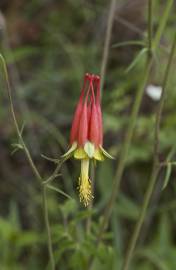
(84, 183)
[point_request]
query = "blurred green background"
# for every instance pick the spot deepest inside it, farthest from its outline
(48, 46)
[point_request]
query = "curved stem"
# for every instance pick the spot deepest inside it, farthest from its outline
(155, 169)
(30, 160)
(107, 41)
(37, 174)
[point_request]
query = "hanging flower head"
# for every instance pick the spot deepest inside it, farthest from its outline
(86, 136)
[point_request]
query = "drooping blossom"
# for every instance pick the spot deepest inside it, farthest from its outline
(86, 136)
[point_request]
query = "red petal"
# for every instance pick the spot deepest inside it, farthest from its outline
(98, 135)
(77, 114)
(89, 113)
(100, 122)
(94, 135)
(75, 122)
(83, 126)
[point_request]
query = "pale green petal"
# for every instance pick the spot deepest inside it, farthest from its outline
(106, 153)
(89, 148)
(79, 153)
(70, 151)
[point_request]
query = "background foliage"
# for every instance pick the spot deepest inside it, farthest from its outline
(49, 45)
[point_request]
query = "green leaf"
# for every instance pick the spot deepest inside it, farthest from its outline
(136, 59)
(16, 146)
(70, 151)
(129, 43)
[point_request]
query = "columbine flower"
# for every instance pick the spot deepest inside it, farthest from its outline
(86, 137)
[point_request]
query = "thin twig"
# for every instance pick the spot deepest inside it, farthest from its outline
(54, 174)
(107, 41)
(30, 160)
(36, 172)
(50, 247)
(155, 169)
(150, 29)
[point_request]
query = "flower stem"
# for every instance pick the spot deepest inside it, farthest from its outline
(155, 169)
(30, 160)
(47, 224)
(34, 169)
(107, 41)
(150, 28)
(124, 151)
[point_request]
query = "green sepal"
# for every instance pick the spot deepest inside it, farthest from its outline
(70, 151)
(106, 154)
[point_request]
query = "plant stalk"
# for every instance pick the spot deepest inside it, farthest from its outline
(124, 152)
(107, 42)
(47, 224)
(155, 170)
(31, 162)
(150, 29)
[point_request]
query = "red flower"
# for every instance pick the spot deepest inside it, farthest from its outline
(86, 135)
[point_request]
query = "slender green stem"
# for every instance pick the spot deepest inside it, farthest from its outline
(50, 248)
(36, 173)
(155, 169)
(124, 151)
(30, 160)
(138, 226)
(54, 174)
(150, 25)
(162, 23)
(107, 41)
(130, 129)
